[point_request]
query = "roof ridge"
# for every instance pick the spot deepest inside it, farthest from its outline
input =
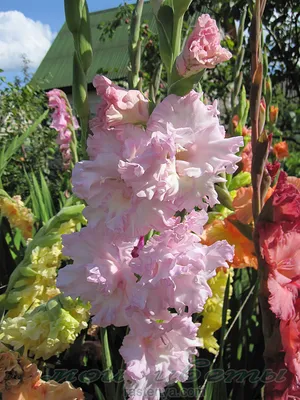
(115, 8)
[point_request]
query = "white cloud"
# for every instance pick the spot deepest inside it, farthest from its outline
(21, 35)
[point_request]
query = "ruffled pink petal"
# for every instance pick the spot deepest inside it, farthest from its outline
(202, 48)
(118, 106)
(158, 355)
(185, 155)
(100, 274)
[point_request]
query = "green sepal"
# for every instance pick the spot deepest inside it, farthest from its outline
(164, 19)
(181, 6)
(224, 197)
(183, 85)
(27, 272)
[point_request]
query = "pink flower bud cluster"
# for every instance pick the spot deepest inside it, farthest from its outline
(141, 171)
(63, 122)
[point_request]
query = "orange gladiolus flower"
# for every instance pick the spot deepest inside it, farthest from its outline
(235, 121)
(225, 230)
(21, 380)
(247, 157)
(281, 150)
(242, 203)
(45, 391)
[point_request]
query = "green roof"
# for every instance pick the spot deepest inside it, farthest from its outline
(56, 69)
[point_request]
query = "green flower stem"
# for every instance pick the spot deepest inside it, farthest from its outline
(154, 85)
(237, 73)
(74, 146)
(134, 45)
(195, 377)
(120, 385)
(255, 97)
(176, 39)
(77, 17)
(84, 134)
(107, 365)
(180, 387)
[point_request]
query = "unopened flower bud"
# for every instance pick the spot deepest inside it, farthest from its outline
(273, 114)
(262, 115)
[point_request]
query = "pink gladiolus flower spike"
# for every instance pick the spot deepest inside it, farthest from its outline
(62, 121)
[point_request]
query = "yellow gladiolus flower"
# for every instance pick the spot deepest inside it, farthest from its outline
(40, 285)
(49, 329)
(213, 309)
(17, 214)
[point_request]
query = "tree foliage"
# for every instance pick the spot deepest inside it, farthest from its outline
(21, 104)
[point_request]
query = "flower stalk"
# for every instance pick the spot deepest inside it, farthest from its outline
(135, 45)
(237, 72)
(255, 98)
(77, 18)
(260, 146)
(107, 365)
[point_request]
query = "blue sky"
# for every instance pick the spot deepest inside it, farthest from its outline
(29, 26)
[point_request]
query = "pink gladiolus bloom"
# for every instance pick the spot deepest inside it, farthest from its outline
(100, 274)
(62, 121)
(129, 216)
(202, 49)
(184, 156)
(110, 199)
(56, 100)
(118, 106)
(157, 354)
(174, 269)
